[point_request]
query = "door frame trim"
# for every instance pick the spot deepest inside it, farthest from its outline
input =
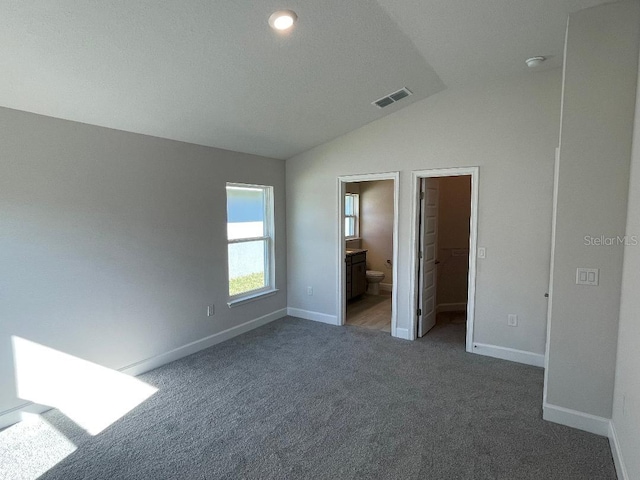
(416, 176)
(340, 250)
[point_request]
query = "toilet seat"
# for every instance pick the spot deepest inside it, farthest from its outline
(375, 274)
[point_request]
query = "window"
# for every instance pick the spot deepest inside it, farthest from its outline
(351, 211)
(250, 240)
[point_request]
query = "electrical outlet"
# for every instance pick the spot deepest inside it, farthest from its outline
(482, 252)
(512, 320)
(211, 310)
(310, 291)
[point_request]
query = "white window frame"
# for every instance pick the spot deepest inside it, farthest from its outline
(268, 238)
(356, 216)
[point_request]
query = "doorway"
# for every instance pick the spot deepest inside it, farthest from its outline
(444, 233)
(367, 250)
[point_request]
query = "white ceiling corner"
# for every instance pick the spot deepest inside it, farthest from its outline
(468, 41)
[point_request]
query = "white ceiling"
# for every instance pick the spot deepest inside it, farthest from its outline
(479, 40)
(212, 72)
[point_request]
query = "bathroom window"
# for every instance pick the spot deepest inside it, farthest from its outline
(351, 212)
(250, 241)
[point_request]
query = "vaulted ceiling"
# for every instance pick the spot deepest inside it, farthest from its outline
(213, 72)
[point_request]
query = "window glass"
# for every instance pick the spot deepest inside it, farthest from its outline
(351, 211)
(247, 267)
(250, 239)
(245, 212)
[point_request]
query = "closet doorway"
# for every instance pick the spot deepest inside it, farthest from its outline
(444, 251)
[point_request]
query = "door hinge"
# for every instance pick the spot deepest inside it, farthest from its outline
(420, 254)
(419, 312)
(421, 195)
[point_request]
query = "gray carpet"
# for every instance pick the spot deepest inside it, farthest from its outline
(298, 399)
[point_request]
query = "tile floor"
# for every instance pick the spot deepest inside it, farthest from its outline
(370, 311)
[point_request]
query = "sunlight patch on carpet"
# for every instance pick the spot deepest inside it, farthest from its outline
(30, 448)
(91, 395)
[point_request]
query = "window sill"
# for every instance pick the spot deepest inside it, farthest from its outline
(251, 298)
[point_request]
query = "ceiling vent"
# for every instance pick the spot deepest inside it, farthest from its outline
(392, 98)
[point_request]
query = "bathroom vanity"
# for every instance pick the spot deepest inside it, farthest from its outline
(356, 265)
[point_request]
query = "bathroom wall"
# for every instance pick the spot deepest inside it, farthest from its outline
(376, 226)
(454, 211)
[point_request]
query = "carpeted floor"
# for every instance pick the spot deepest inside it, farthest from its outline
(302, 400)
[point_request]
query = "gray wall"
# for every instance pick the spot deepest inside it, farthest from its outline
(595, 147)
(112, 244)
(626, 401)
(509, 129)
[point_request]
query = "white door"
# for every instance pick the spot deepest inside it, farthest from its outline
(427, 274)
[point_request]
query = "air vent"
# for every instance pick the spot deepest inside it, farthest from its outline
(392, 98)
(384, 102)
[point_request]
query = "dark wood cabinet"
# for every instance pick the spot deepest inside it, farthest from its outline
(356, 273)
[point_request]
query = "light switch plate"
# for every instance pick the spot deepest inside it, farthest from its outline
(588, 276)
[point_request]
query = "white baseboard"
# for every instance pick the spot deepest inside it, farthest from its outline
(193, 347)
(386, 287)
(592, 424)
(520, 356)
(402, 333)
(616, 453)
(452, 307)
(573, 418)
(14, 415)
(315, 316)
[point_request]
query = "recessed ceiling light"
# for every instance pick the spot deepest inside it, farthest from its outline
(282, 19)
(535, 61)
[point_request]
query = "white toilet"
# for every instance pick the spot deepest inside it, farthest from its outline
(374, 278)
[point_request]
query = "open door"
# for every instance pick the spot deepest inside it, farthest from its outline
(427, 274)
(426, 191)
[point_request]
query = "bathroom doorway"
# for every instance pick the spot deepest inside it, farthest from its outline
(444, 260)
(367, 251)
